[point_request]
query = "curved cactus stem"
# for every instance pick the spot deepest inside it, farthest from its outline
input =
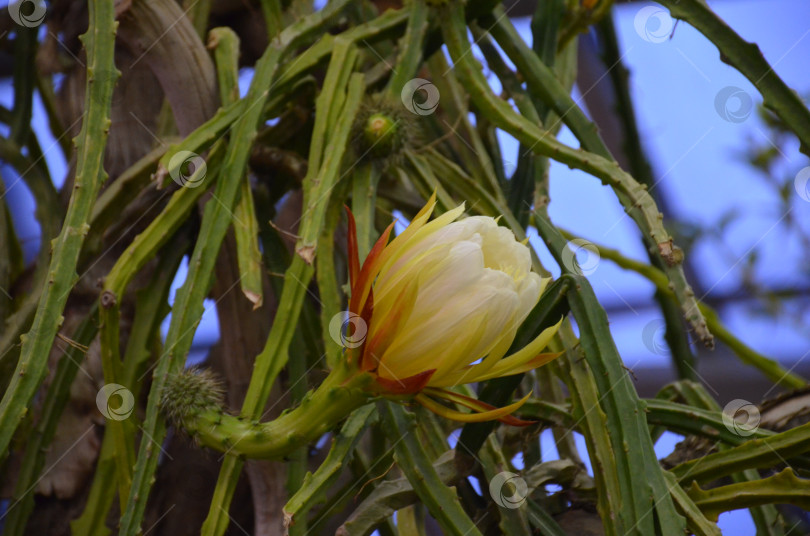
(151, 307)
(390, 496)
(633, 196)
(697, 522)
(56, 399)
(441, 501)
(275, 354)
(748, 60)
(768, 366)
(313, 489)
(752, 454)
(99, 42)
(411, 44)
(782, 488)
(192, 403)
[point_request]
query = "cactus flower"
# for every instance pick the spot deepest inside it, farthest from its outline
(442, 303)
(441, 306)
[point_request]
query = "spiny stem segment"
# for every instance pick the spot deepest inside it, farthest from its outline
(193, 399)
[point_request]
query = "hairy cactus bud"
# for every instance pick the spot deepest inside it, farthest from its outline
(382, 130)
(190, 392)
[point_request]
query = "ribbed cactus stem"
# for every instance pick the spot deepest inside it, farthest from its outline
(194, 403)
(32, 366)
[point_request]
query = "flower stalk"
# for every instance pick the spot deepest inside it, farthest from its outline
(193, 400)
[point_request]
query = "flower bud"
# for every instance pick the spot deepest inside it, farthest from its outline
(382, 130)
(443, 302)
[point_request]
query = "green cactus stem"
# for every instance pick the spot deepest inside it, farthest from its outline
(90, 144)
(193, 400)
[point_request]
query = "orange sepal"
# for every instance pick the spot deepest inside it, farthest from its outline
(406, 386)
(385, 331)
(365, 316)
(362, 286)
(351, 247)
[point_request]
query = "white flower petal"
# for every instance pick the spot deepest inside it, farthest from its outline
(474, 287)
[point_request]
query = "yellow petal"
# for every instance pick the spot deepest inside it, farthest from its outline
(399, 362)
(461, 312)
(410, 238)
(504, 367)
(444, 411)
(500, 348)
(417, 223)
